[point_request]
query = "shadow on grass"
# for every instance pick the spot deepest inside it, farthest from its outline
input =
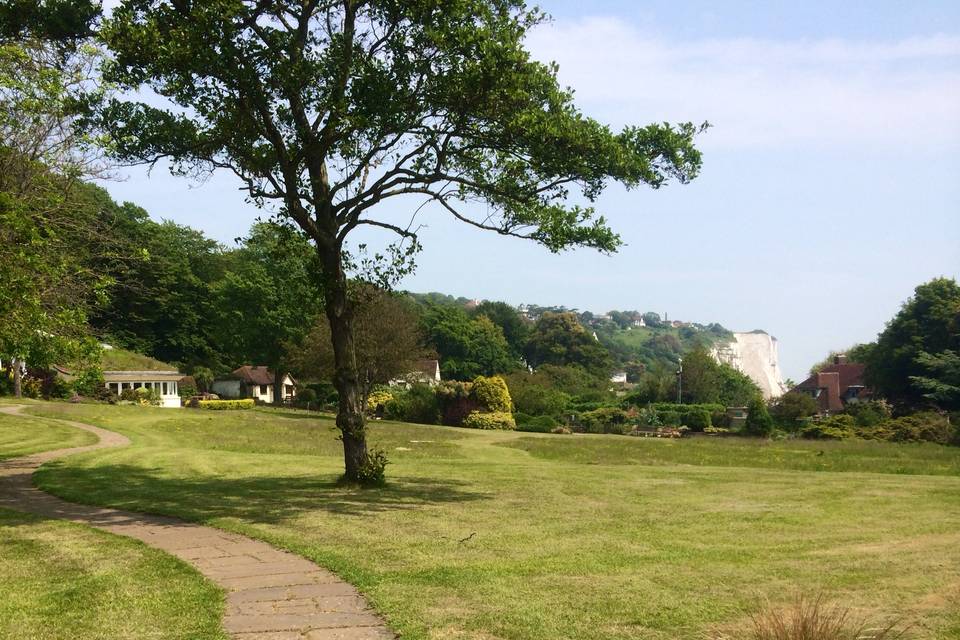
(259, 499)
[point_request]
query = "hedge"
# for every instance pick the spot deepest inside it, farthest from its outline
(220, 405)
(491, 420)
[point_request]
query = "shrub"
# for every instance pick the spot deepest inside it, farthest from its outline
(696, 419)
(489, 420)
(669, 418)
(521, 418)
(790, 408)
(456, 402)
(141, 396)
(605, 420)
(224, 405)
(89, 381)
(920, 427)
(307, 396)
(492, 393)
(377, 400)
(373, 470)
(712, 429)
(538, 424)
(812, 619)
(57, 387)
(417, 404)
(561, 430)
(838, 427)
(185, 389)
(869, 413)
(759, 422)
(649, 417)
(536, 400)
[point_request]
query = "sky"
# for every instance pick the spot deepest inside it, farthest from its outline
(830, 185)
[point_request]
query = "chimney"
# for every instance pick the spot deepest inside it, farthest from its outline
(840, 358)
(830, 383)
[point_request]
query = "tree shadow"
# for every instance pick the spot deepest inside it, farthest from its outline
(258, 499)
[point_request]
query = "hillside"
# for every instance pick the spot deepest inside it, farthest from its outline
(645, 341)
(114, 359)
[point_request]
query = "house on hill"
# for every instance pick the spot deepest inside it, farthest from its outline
(424, 371)
(254, 382)
(836, 385)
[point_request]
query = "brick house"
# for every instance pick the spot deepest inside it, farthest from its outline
(836, 385)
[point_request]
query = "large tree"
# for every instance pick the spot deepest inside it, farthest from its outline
(467, 347)
(49, 226)
(560, 339)
(267, 298)
(325, 109)
(913, 353)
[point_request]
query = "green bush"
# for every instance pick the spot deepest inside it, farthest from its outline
(490, 420)
(417, 404)
(307, 396)
(840, 427)
(696, 419)
(88, 382)
(377, 400)
(492, 393)
(536, 400)
(538, 424)
(59, 388)
(521, 418)
(372, 472)
(920, 427)
(223, 405)
(605, 420)
(869, 413)
(669, 418)
(142, 396)
(759, 422)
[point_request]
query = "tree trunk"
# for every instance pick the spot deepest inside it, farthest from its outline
(17, 378)
(278, 375)
(350, 411)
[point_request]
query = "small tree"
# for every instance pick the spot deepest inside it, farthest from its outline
(759, 422)
(387, 339)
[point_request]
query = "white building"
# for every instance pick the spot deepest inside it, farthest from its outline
(253, 382)
(165, 383)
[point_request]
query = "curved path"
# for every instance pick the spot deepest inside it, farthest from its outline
(271, 594)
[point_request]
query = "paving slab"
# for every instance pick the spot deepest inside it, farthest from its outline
(271, 594)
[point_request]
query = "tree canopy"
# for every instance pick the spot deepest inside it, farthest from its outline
(325, 109)
(560, 339)
(918, 345)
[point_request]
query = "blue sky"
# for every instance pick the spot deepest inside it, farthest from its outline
(830, 181)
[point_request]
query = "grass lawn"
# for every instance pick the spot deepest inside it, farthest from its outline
(65, 581)
(493, 535)
(20, 436)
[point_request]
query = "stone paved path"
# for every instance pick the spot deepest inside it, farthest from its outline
(271, 594)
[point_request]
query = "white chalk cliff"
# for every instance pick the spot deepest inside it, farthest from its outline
(754, 354)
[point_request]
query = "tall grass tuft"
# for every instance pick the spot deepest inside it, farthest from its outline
(813, 619)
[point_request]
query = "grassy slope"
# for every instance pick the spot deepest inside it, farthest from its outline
(123, 360)
(502, 535)
(61, 580)
(20, 436)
